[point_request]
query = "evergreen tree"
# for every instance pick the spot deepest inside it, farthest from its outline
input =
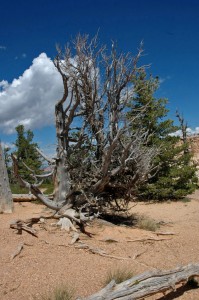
(7, 158)
(174, 175)
(26, 153)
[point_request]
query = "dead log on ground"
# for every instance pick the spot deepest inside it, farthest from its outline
(147, 284)
(150, 239)
(23, 197)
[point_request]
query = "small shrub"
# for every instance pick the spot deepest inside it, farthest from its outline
(49, 188)
(147, 223)
(16, 189)
(185, 200)
(119, 275)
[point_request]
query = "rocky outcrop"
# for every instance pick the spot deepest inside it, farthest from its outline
(194, 143)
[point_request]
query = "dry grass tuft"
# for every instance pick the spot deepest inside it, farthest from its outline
(60, 293)
(147, 223)
(119, 275)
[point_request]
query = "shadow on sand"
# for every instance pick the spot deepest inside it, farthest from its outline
(179, 292)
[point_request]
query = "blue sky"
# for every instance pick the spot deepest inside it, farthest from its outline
(29, 31)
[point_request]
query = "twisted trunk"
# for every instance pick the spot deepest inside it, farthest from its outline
(62, 183)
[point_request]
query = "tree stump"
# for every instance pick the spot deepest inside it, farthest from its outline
(6, 201)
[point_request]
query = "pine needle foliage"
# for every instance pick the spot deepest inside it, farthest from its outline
(174, 174)
(26, 153)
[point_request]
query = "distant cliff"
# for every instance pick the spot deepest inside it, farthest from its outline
(195, 147)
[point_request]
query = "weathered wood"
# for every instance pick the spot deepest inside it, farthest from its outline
(75, 238)
(33, 188)
(23, 197)
(146, 284)
(152, 239)
(17, 251)
(66, 224)
(6, 201)
(99, 251)
(20, 225)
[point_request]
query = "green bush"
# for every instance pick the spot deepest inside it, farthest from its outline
(16, 189)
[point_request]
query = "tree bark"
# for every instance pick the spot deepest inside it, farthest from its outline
(6, 201)
(62, 183)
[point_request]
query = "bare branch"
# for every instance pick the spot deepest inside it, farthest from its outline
(51, 161)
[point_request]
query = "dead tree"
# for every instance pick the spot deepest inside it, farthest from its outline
(183, 127)
(6, 201)
(99, 157)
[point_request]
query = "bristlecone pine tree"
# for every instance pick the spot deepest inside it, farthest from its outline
(100, 159)
(174, 173)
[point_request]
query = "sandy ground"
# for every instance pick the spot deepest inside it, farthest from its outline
(49, 261)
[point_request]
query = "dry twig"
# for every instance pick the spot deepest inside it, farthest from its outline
(149, 239)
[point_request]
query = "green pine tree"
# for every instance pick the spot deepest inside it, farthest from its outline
(174, 175)
(26, 153)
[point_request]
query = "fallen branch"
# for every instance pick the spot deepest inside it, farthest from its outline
(147, 284)
(149, 239)
(165, 233)
(75, 238)
(99, 251)
(23, 197)
(24, 225)
(18, 251)
(110, 240)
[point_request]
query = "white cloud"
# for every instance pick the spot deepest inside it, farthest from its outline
(162, 80)
(7, 145)
(189, 132)
(193, 131)
(2, 47)
(30, 99)
(3, 85)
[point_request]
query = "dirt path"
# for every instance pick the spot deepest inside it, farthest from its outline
(49, 260)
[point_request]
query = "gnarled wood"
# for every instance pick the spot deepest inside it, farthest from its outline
(99, 156)
(20, 225)
(147, 284)
(6, 201)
